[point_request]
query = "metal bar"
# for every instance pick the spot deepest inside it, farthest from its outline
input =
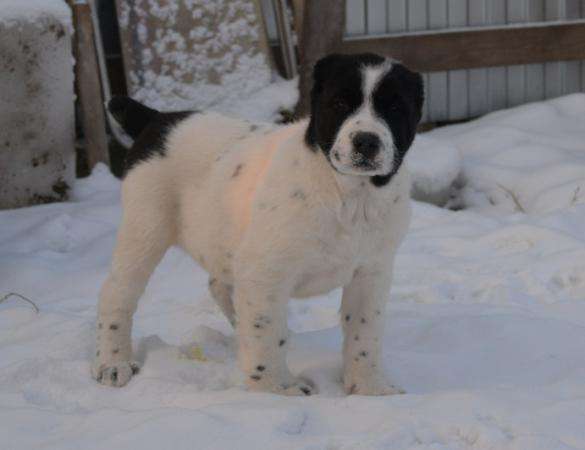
(285, 37)
(117, 131)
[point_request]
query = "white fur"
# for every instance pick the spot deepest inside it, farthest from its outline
(365, 120)
(269, 219)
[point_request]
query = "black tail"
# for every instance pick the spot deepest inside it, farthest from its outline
(132, 116)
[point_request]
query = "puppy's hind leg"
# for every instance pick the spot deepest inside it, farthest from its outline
(144, 236)
(222, 294)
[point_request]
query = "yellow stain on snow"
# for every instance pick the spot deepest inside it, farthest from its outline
(195, 352)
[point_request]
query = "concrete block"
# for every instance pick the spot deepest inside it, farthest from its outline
(37, 120)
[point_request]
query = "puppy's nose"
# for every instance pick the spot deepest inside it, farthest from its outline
(366, 144)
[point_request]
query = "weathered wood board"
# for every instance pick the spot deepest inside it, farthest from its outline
(191, 54)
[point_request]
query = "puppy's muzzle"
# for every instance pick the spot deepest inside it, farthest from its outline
(366, 147)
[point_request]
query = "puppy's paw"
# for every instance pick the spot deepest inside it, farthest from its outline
(371, 386)
(115, 374)
(294, 386)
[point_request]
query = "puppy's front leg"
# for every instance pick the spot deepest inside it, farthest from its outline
(262, 337)
(362, 309)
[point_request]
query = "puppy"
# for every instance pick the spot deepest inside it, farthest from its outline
(272, 213)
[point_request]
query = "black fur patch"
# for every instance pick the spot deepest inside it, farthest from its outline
(151, 142)
(132, 116)
(337, 94)
(398, 99)
(148, 127)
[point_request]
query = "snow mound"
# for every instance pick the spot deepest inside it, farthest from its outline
(435, 166)
(529, 159)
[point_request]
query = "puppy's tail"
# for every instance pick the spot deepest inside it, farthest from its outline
(132, 116)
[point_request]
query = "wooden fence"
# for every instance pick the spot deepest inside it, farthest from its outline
(477, 55)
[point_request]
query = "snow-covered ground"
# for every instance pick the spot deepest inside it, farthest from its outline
(486, 327)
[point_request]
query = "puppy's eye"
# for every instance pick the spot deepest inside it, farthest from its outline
(340, 104)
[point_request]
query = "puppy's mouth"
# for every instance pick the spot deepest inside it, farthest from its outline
(358, 165)
(365, 165)
(363, 168)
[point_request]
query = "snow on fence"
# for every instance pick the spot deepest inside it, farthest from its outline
(459, 94)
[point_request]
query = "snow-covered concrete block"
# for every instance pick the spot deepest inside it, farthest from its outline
(37, 122)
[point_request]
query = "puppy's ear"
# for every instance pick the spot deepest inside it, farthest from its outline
(419, 92)
(324, 68)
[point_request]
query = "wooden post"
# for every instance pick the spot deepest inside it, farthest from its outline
(299, 13)
(89, 87)
(322, 33)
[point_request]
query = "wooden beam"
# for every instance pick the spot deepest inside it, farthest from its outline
(319, 37)
(298, 8)
(448, 50)
(89, 87)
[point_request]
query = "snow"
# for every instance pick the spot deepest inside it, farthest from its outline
(13, 12)
(187, 55)
(529, 159)
(263, 105)
(485, 330)
(435, 166)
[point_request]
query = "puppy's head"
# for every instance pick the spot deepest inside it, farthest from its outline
(364, 113)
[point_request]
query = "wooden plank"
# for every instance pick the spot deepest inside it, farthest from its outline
(397, 15)
(377, 16)
(89, 87)
(572, 82)
(417, 15)
(319, 38)
(497, 76)
(478, 78)
(436, 51)
(457, 79)
(298, 9)
(554, 72)
(417, 20)
(582, 62)
(355, 18)
(517, 13)
(535, 72)
(437, 98)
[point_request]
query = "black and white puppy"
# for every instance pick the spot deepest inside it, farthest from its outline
(272, 213)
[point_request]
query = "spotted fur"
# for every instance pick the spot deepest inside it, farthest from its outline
(272, 215)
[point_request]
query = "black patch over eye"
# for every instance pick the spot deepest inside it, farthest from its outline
(340, 104)
(392, 104)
